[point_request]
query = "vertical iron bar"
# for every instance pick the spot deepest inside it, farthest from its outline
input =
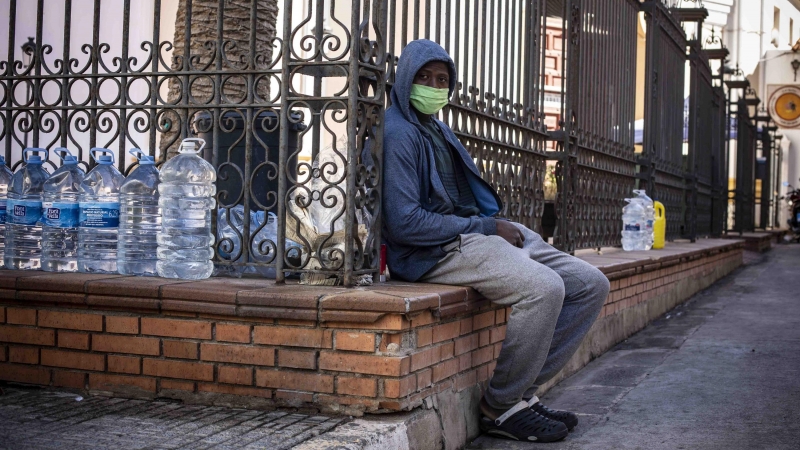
(155, 51)
(352, 131)
(37, 61)
(187, 54)
(490, 62)
(318, 29)
(123, 98)
(94, 88)
(427, 18)
(283, 144)
(404, 29)
(216, 112)
(12, 30)
(417, 18)
(65, 73)
(391, 49)
(248, 133)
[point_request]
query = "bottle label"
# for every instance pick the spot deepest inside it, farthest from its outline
(23, 212)
(632, 227)
(60, 214)
(648, 225)
(2, 211)
(99, 215)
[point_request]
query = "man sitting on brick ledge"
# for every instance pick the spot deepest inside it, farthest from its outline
(439, 227)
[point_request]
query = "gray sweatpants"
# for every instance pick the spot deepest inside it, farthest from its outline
(555, 298)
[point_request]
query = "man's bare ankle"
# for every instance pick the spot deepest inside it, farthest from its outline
(490, 412)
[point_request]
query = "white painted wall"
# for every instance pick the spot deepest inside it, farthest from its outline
(762, 49)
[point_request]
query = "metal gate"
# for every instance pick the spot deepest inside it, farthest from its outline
(743, 194)
(596, 166)
(662, 165)
(238, 76)
(719, 168)
(704, 144)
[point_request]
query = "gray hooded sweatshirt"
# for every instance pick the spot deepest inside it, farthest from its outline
(417, 211)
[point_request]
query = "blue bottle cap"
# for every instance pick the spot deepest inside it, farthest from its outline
(143, 158)
(103, 156)
(33, 159)
(66, 156)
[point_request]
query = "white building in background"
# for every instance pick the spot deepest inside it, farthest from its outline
(759, 35)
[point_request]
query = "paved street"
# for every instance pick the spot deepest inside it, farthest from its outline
(41, 419)
(720, 372)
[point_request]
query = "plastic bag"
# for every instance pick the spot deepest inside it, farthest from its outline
(262, 247)
(316, 215)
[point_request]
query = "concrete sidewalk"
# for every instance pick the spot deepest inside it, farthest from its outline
(721, 371)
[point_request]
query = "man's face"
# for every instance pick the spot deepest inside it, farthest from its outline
(434, 74)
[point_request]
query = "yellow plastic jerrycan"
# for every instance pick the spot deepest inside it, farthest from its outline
(660, 225)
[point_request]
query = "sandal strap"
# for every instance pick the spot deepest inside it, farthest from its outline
(534, 400)
(515, 409)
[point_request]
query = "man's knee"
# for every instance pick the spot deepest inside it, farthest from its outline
(596, 283)
(546, 287)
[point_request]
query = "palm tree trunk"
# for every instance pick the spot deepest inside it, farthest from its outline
(205, 56)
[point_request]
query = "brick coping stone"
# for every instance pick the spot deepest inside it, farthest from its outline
(250, 342)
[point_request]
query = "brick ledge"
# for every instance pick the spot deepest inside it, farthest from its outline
(254, 299)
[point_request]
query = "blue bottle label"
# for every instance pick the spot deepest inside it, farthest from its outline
(99, 215)
(2, 211)
(60, 214)
(632, 227)
(23, 212)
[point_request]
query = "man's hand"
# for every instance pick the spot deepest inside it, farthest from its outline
(510, 233)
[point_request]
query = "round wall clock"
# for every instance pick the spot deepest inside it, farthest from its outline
(784, 107)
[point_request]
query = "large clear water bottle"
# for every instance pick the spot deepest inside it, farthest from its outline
(634, 236)
(139, 219)
(650, 215)
(5, 182)
(187, 198)
(60, 215)
(24, 212)
(99, 215)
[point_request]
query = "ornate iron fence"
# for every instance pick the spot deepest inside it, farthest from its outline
(290, 97)
(662, 164)
(251, 86)
(743, 194)
(705, 144)
(596, 162)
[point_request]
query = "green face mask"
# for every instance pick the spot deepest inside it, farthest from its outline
(428, 100)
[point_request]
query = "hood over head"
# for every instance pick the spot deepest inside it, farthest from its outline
(415, 55)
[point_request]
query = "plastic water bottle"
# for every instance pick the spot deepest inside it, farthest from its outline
(24, 212)
(649, 212)
(634, 237)
(139, 219)
(60, 215)
(187, 198)
(5, 182)
(99, 215)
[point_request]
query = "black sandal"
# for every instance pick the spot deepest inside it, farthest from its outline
(567, 418)
(523, 424)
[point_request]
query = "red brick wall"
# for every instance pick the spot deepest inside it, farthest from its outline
(391, 364)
